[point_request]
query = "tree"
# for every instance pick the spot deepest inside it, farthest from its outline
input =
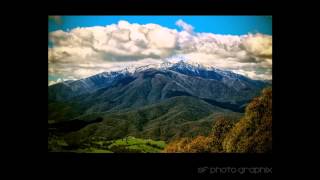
(253, 133)
(178, 145)
(203, 144)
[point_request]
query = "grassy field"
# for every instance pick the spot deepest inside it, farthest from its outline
(132, 144)
(126, 145)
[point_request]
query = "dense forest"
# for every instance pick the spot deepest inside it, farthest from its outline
(251, 134)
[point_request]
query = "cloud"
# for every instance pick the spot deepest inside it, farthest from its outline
(82, 52)
(258, 45)
(52, 82)
(186, 27)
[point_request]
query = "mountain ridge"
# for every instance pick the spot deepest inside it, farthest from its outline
(174, 101)
(106, 79)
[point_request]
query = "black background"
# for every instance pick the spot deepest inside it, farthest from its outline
(30, 112)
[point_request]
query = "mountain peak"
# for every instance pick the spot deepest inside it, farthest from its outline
(177, 64)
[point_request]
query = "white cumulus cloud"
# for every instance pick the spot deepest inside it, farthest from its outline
(85, 51)
(185, 26)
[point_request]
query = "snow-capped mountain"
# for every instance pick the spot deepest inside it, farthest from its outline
(138, 86)
(191, 69)
(166, 96)
(176, 63)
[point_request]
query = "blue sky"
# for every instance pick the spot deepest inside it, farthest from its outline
(201, 39)
(234, 25)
